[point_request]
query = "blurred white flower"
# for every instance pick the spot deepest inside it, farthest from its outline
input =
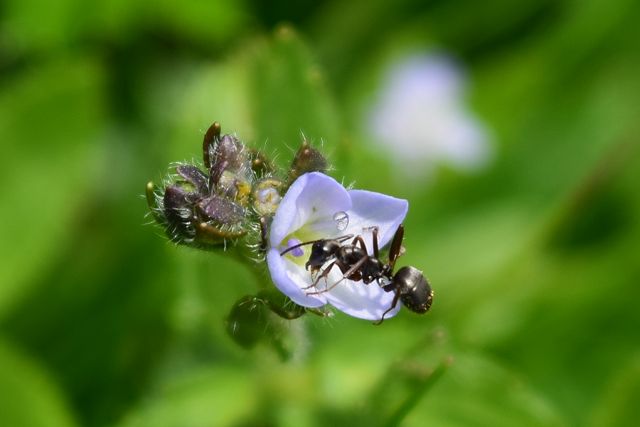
(421, 118)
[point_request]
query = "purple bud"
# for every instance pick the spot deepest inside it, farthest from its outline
(228, 154)
(210, 138)
(221, 211)
(178, 212)
(194, 176)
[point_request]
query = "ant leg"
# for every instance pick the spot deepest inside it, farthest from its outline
(345, 275)
(360, 240)
(393, 305)
(390, 287)
(324, 273)
(374, 231)
(374, 236)
(396, 246)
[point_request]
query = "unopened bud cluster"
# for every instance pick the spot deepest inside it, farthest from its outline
(234, 192)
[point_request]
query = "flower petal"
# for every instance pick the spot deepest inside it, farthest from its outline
(290, 278)
(357, 299)
(311, 201)
(375, 209)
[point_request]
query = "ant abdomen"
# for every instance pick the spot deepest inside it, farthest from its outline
(415, 292)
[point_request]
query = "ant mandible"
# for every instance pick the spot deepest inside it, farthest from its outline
(409, 284)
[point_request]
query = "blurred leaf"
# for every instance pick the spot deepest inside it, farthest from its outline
(290, 97)
(28, 396)
(51, 120)
(200, 20)
(184, 102)
(98, 315)
(41, 26)
(477, 391)
(408, 380)
(549, 310)
(208, 397)
(619, 404)
(269, 93)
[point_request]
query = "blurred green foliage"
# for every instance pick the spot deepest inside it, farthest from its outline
(534, 261)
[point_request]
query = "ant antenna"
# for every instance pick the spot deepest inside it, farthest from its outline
(339, 239)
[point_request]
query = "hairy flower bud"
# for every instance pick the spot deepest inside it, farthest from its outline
(178, 212)
(191, 215)
(227, 154)
(195, 177)
(236, 193)
(260, 164)
(307, 159)
(229, 164)
(220, 210)
(235, 186)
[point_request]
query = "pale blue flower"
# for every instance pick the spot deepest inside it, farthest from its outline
(422, 117)
(317, 207)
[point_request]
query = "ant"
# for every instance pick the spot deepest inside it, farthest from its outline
(355, 263)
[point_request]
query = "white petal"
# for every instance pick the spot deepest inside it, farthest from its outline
(311, 201)
(375, 209)
(357, 299)
(290, 278)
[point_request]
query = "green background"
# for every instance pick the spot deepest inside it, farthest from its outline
(534, 261)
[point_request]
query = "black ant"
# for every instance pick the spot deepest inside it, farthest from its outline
(355, 263)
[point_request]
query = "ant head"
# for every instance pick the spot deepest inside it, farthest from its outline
(321, 252)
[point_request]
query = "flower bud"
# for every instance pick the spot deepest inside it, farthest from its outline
(244, 323)
(234, 186)
(229, 164)
(260, 164)
(258, 318)
(266, 196)
(210, 137)
(191, 215)
(220, 210)
(195, 177)
(228, 154)
(281, 305)
(307, 159)
(217, 219)
(178, 212)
